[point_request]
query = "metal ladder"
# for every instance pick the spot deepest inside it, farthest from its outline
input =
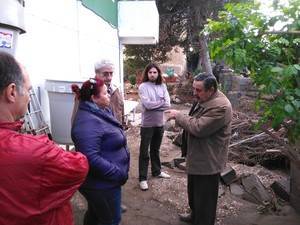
(34, 119)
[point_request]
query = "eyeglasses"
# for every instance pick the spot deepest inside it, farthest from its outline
(107, 74)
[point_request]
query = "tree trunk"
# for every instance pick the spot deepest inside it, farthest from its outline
(199, 19)
(204, 59)
(295, 178)
(295, 186)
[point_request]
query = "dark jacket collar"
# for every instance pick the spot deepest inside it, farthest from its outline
(196, 105)
(214, 96)
(104, 113)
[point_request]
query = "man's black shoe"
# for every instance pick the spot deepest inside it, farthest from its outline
(186, 217)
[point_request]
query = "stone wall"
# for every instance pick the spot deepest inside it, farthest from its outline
(236, 86)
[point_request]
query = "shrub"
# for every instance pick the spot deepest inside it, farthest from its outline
(132, 79)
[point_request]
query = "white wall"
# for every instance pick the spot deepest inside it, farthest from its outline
(138, 22)
(97, 40)
(63, 39)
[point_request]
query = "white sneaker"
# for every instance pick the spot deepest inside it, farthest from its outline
(164, 175)
(144, 185)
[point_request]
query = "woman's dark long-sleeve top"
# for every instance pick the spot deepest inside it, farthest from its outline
(100, 137)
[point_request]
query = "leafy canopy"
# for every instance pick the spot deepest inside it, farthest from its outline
(241, 36)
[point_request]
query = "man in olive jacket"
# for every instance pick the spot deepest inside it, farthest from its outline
(207, 130)
(104, 70)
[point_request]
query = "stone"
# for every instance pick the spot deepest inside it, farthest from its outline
(170, 164)
(250, 198)
(282, 189)
(169, 125)
(178, 140)
(228, 175)
(170, 134)
(175, 99)
(181, 166)
(221, 191)
(237, 189)
(177, 161)
(226, 81)
(256, 189)
(234, 98)
(188, 104)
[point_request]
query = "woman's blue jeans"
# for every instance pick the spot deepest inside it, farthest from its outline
(104, 206)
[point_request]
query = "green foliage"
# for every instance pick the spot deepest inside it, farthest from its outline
(241, 38)
(132, 79)
(238, 35)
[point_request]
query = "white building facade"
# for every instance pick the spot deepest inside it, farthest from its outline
(64, 38)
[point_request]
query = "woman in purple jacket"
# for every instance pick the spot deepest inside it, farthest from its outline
(100, 137)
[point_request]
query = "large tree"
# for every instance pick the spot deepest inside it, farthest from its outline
(180, 25)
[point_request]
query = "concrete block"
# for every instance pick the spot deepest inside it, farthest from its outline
(234, 98)
(181, 166)
(228, 175)
(282, 189)
(237, 189)
(255, 188)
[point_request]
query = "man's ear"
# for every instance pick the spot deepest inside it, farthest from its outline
(10, 93)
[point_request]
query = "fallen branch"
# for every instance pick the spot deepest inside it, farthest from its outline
(239, 125)
(273, 151)
(287, 150)
(248, 139)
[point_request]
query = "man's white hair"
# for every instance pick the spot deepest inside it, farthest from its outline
(103, 63)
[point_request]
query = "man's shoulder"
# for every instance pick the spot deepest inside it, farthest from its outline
(36, 140)
(142, 85)
(219, 100)
(115, 87)
(117, 97)
(35, 146)
(146, 85)
(222, 99)
(163, 84)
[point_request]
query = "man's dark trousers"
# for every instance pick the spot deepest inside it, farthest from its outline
(203, 198)
(150, 137)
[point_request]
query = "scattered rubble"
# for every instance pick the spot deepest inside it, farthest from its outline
(247, 179)
(255, 189)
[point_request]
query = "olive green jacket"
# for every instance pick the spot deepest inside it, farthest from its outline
(208, 130)
(117, 104)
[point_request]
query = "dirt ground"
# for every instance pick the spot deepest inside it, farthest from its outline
(166, 198)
